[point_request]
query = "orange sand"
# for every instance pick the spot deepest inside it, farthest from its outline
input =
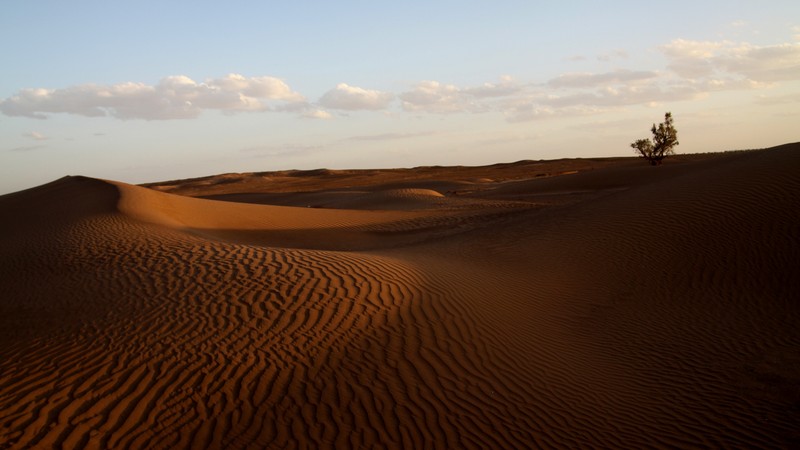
(572, 303)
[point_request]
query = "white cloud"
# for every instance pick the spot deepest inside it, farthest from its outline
(36, 136)
(695, 59)
(255, 87)
(682, 48)
(506, 86)
(316, 114)
(432, 96)
(526, 113)
(174, 97)
(624, 95)
(767, 64)
(352, 98)
(574, 94)
(584, 80)
(569, 94)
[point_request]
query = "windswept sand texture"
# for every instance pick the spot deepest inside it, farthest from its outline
(575, 303)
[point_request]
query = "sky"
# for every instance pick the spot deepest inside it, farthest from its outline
(150, 91)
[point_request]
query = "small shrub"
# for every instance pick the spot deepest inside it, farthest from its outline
(665, 138)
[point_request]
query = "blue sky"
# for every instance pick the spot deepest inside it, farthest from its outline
(147, 91)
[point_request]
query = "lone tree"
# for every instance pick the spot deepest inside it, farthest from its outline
(665, 138)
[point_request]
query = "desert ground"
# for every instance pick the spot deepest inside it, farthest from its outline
(577, 303)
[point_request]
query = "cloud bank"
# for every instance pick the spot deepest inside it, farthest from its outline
(765, 64)
(174, 97)
(692, 69)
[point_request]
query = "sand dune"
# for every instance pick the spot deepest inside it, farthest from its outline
(615, 305)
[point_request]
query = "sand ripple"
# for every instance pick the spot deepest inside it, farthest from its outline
(651, 312)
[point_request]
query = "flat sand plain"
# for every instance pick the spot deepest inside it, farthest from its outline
(559, 304)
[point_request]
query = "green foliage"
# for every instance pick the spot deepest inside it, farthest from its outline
(665, 138)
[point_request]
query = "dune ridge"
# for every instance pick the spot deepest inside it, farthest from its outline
(622, 306)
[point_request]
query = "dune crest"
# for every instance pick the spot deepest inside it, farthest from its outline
(186, 212)
(621, 306)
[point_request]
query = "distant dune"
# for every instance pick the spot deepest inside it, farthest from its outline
(559, 304)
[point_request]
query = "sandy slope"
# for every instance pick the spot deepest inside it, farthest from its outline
(623, 306)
